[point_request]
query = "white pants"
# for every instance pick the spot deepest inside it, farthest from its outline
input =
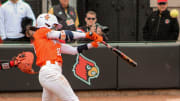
(54, 84)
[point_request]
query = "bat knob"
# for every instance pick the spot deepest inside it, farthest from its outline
(134, 64)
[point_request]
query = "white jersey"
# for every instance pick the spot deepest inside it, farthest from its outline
(11, 15)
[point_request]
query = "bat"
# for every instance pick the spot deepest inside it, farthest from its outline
(121, 54)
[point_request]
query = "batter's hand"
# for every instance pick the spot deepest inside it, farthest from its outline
(95, 44)
(94, 36)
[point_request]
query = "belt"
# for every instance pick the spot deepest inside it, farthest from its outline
(52, 62)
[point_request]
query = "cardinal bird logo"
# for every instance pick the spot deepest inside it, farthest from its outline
(85, 69)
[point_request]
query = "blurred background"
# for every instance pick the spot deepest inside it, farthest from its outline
(125, 18)
(158, 62)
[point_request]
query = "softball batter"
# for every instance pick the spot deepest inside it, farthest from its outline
(48, 51)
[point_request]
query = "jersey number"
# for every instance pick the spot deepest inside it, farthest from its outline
(59, 51)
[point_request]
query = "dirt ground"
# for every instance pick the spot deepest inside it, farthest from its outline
(135, 98)
(136, 95)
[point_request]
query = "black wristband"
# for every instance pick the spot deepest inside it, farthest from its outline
(82, 47)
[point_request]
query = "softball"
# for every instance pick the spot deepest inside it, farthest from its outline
(174, 13)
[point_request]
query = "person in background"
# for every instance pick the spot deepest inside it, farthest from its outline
(160, 26)
(93, 26)
(66, 15)
(11, 14)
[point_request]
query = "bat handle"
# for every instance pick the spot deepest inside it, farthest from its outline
(107, 45)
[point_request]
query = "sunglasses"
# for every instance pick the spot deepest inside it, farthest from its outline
(162, 3)
(91, 18)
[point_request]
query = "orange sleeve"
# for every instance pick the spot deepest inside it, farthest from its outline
(41, 33)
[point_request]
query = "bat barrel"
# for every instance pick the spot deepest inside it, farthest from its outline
(128, 59)
(121, 54)
(134, 64)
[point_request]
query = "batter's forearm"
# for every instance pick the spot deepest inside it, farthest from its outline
(79, 35)
(67, 49)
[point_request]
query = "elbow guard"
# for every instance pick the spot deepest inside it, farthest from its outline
(81, 48)
(66, 35)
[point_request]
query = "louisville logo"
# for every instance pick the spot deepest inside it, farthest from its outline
(85, 69)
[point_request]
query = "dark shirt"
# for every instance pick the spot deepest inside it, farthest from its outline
(161, 27)
(67, 20)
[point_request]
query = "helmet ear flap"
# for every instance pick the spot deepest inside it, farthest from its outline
(47, 25)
